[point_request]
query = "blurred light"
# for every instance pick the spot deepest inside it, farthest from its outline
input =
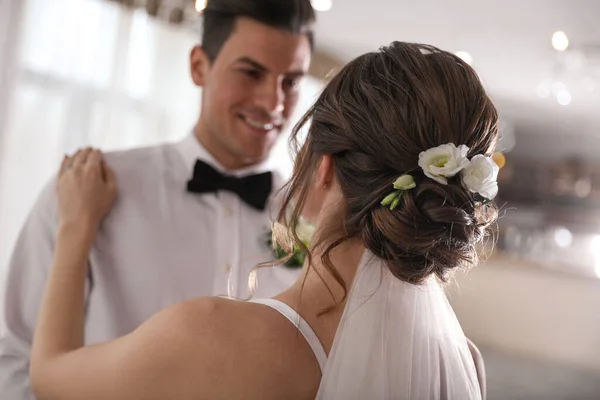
(321, 5)
(563, 237)
(583, 187)
(466, 57)
(201, 5)
(563, 98)
(543, 90)
(560, 41)
(499, 159)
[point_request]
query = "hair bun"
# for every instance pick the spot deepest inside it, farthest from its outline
(434, 230)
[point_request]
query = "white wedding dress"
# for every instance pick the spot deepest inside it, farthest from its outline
(395, 341)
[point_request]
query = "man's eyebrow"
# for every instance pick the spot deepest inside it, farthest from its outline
(253, 63)
(262, 68)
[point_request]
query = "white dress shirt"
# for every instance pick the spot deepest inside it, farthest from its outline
(159, 245)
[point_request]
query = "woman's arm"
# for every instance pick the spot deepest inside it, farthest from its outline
(130, 367)
(86, 190)
(60, 326)
(192, 350)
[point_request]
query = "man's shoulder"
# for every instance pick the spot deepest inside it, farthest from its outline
(140, 158)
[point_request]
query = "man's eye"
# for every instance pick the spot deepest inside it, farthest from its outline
(291, 83)
(252, 73)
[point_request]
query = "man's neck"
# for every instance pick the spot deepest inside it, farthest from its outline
(227, 161)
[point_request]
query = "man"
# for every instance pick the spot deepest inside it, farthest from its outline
(183, 225)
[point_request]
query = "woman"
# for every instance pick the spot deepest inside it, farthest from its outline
(395, 173)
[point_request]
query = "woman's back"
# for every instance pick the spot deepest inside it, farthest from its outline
(215, 348)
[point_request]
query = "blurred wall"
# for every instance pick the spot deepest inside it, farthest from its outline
(521, 308)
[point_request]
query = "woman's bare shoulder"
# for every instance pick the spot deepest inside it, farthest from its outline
(233, 349)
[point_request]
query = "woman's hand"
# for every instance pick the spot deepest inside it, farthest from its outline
(86, 188)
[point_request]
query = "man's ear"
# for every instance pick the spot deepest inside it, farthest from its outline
(199, 65)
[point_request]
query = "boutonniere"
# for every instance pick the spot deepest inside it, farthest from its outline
(285, 245)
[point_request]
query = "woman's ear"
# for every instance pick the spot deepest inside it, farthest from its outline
(324, 175)
(320, 184)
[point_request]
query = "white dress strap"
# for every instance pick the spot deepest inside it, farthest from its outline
(301, 324)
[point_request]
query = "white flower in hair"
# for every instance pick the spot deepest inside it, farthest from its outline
(405, 182)
(481, 175)
(402, 184)
(443, 162)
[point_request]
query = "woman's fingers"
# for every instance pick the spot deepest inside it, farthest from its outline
(80, 158)
(66, 162)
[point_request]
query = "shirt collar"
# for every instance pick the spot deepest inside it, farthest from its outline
(192, 150)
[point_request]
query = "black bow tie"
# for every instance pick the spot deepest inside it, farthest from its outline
(253, 189)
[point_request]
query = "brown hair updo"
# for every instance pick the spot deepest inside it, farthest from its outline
(374, 118)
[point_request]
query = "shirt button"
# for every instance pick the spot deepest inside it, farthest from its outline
(227, 268)
(228, 212)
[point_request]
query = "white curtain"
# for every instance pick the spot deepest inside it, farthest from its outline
(88, 72)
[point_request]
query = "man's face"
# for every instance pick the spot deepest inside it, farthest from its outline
(249, 91)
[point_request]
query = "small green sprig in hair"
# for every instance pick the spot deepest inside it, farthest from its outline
(402, 184)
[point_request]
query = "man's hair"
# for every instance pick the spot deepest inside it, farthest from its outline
(220, 16)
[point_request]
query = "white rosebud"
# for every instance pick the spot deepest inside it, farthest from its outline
(443, 162)
(405, 182)
(481, 176)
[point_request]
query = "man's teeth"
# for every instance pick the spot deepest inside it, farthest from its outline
(267, 127)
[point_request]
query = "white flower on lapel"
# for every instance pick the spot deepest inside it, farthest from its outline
(280, 235)
(481, 175)
(305, 231)
(443, 162)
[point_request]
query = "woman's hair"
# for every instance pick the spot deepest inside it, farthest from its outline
(374, 118)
